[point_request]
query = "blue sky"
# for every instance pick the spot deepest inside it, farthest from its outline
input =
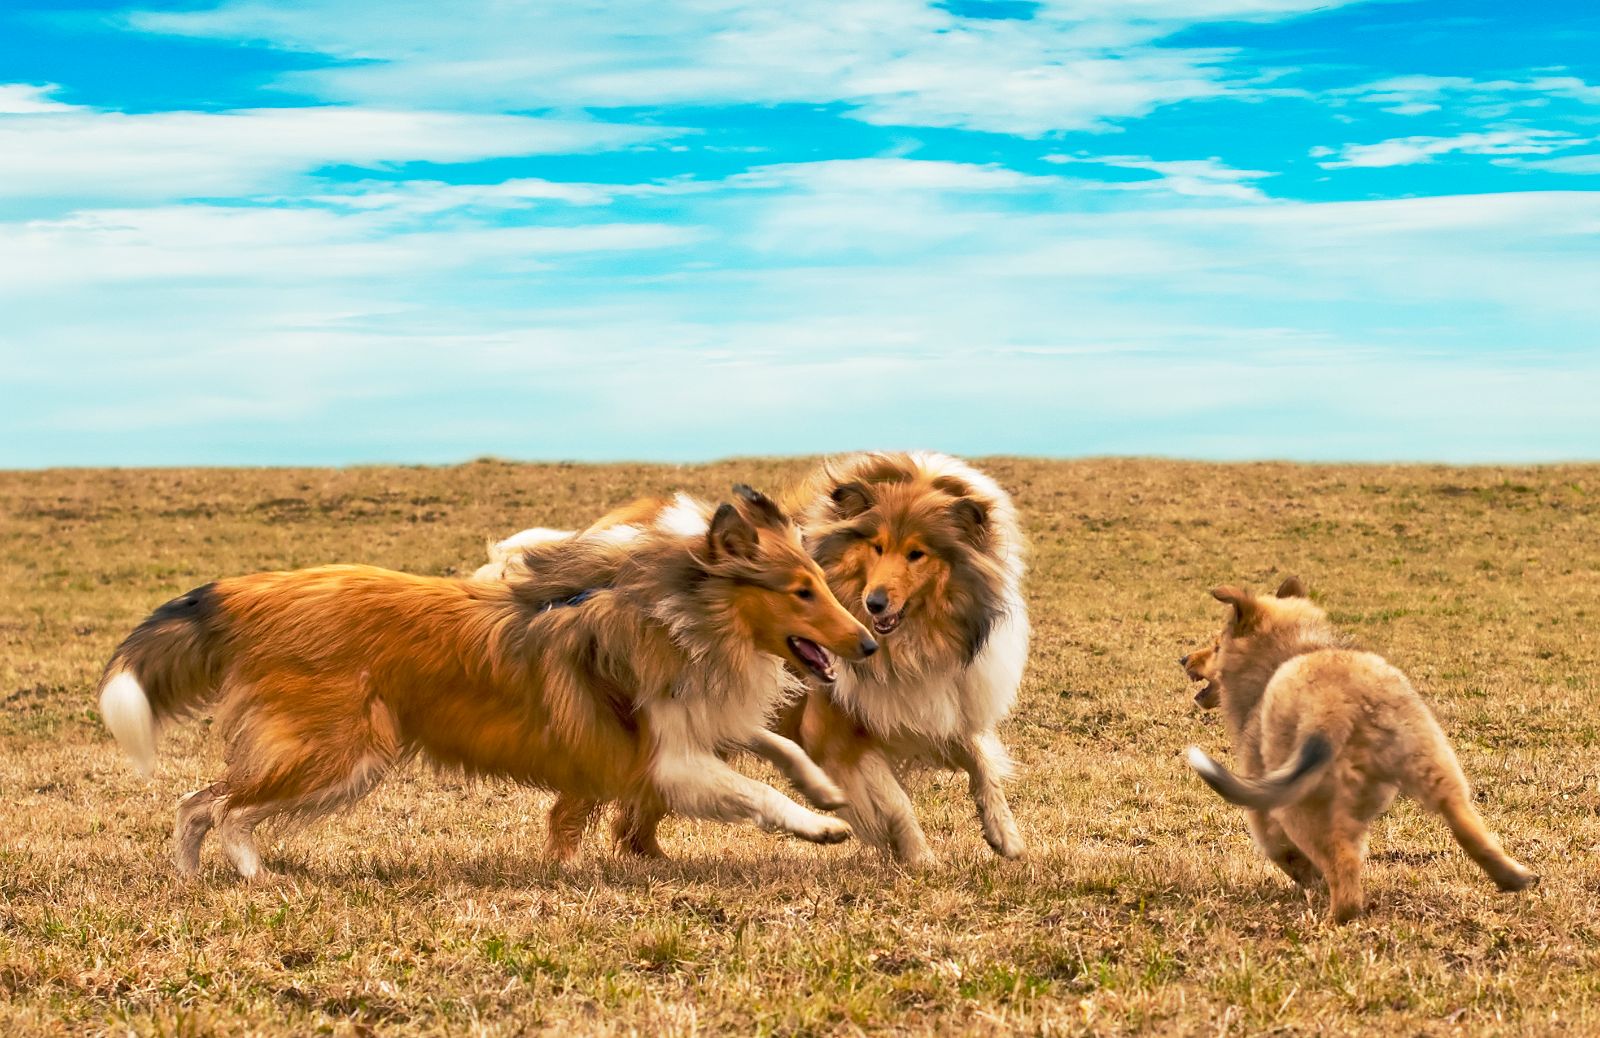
(326, 231)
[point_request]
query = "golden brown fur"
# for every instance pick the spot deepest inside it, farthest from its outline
(1325, 737)
(607, 671)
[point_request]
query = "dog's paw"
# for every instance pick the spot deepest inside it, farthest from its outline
(1521, 879)
(828, 830)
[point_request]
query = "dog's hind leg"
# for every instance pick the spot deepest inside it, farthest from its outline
(236, 826)
(634, 828)
(1442, 788)
(985, 761)
(1336, 842)
(569, 820)
(195, 818)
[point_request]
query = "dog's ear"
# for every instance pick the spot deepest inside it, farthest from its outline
(1246, 609)
(1293, 587)
(850, 500)
(760, 508)
(972, 519)
(731, 535)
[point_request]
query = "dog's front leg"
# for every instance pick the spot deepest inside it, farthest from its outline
(699, 784)
(986, 762)
(879, 809)
(789, 758)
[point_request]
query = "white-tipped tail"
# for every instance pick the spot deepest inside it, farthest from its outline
(126, 711)
(1200, 761)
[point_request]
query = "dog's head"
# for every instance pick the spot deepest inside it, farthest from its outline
(1201, 665)
(907, 548)
(776, 592)
(1256, 621)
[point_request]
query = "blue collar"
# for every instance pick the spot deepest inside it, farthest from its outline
(575, 600)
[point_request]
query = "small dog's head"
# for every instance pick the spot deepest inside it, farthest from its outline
(1253, 616)
(1201, 665)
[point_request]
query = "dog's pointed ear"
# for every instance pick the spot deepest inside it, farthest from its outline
(759, 507)
(1246, 610)
(972, 519)
(1293, 587)
(731, 535)
(850, 500)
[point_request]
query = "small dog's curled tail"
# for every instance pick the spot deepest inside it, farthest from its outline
(1284, 786)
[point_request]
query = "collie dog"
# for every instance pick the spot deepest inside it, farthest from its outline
(609, 671)
(1326, 736)
(927, 550)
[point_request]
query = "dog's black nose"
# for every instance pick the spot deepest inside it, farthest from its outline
(878, 601)
(868, 646)
(1183, 661)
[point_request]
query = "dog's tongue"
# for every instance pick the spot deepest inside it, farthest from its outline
(812, 653)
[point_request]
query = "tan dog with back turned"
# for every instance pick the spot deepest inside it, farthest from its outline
(1326, 735)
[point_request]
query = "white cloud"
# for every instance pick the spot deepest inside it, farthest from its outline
(1493, 98)
(186, 245)
(1077, 64)
(1578, 164)
(1197, 178)
(29, 99)
(1406, 151)
(83, 154)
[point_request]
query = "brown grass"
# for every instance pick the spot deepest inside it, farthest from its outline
(1142, 909)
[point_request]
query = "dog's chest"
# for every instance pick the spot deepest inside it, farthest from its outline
(931, 709)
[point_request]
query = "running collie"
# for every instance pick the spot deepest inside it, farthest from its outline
(609, 671)
(927, 550)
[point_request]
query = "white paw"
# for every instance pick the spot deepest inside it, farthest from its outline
(824, 830)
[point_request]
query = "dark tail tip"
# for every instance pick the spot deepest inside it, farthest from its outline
(1316, 751)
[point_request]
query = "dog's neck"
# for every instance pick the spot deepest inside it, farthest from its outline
(660, 580)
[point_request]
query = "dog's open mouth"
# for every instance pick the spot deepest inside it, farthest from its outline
(1209, 694)
(886, 623)
(817, 659)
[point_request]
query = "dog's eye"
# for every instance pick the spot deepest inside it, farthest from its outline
(804, 594)
(877, 549)
(914, 555)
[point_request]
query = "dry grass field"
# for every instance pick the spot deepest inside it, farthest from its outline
(427, 910)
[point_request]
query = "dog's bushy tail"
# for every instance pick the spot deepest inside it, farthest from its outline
(170, 666)
(1284, 786)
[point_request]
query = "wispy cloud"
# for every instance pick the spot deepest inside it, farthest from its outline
(1198, 178)
(1405, 151)
(54, 150)
(1075, 64)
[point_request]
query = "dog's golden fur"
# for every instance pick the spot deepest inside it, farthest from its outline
(606, 671)
(1325, 737)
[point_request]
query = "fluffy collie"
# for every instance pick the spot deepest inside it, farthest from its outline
(608, 671)
(927, 550)
(522, 554)
(1326, 736)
